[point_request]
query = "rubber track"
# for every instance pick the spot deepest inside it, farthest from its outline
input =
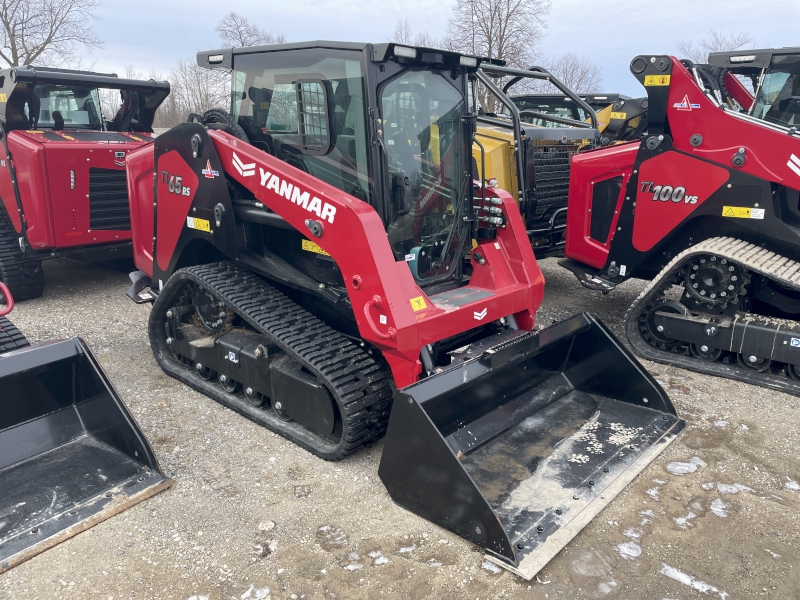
(10, 337)
(349, 372)
(23, 286)
(752, 257)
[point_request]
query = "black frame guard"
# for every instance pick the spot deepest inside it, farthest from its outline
(71, 455)
(521, 443)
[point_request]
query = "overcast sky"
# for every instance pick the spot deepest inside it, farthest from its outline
(153, 34)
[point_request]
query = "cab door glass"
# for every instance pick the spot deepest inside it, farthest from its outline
(425, 148)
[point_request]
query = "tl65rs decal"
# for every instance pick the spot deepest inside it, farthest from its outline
(666, 193)
(174, 184)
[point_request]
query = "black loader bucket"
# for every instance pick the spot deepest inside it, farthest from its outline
(70, 453)
(525, 439)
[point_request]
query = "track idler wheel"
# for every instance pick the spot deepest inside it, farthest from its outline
(228, 384)
(705, 352)
(651, 331)
(753, 362)
(253, 397)
(204, 372)
(793, 371)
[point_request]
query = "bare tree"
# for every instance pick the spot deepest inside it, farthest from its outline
(715, 41)
(196, 89)
(236, 30)
(402, 32)
(426, 40)
(509, 30)
(46, 31)
(576, 72)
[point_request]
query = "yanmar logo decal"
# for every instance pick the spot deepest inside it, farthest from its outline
(685, 104)
(794, 164)
(294, 194)
(290, 191)
(245, 170)
(479, 316)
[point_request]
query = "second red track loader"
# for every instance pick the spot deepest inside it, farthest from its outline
(324, 259)
(707, 207)
(62, 167)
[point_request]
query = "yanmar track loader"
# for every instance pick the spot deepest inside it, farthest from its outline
(71, 455)
(323, 259)
(62, 168)
(707, 207)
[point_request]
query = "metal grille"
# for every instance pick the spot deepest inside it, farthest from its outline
(108, 199)
(312, 111)
(551, 171)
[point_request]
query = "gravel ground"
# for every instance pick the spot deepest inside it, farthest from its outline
(252, 516)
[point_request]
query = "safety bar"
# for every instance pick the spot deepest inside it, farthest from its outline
(542, 74)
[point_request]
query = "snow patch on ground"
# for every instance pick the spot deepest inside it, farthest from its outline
(683, 468)
(695, 584)
(255, 593)
(490, 566)
(720, 508)
(684, 522)
(629, 550)
(733, 488)
(378, 558)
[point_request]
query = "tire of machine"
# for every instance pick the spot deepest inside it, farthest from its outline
(25, 278)
(355, 381)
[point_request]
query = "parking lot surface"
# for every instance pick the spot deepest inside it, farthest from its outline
(253, 516)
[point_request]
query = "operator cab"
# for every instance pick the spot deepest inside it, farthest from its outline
(774, 78)
(388, 124)
(39, 98)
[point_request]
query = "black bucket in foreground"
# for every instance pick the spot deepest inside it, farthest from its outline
(71, 455)
(526, 438)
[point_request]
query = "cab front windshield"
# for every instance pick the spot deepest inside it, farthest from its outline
(423, 135)
(69, 106)
(778, 99)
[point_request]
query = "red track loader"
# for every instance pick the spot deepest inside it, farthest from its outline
(71, 454)
(706, 207)
(62, 168)
(323, 259)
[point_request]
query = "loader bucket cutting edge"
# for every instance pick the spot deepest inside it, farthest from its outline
(520, 445)
(71, 455)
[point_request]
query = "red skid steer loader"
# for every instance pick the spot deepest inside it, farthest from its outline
(323, 258)
(62, 168)
(707, 207)
(71, 455)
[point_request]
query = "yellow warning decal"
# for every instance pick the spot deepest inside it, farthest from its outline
(418, 304)
(198, 224)
(3, 98)
(34, 131)
(656, 80)
(742, 212)
(312, 247)
(619, 115)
